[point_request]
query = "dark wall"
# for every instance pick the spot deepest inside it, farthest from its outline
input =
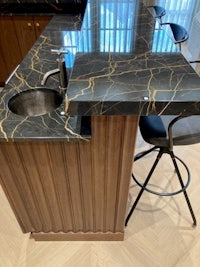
(42, 1)
(43, 6)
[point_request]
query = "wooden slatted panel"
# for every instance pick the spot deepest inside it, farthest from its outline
(58, 154)
(73, 187)
(85, 159)
(28, 154)
(16, 185)
(126, 161)
(98, 170)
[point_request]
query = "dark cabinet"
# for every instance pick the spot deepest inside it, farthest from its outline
(18, 34)
(3, 68)
(10, 51)
(28, 29)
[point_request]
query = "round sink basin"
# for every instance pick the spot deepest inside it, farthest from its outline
(35, 102)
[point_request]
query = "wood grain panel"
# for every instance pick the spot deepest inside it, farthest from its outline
(98, 151)
(13, 186)
(127, 152)
(115, 140)
(10, 50)
(25, 30)
(85, 159)
(44, 166)
(72, 187)
(40, 23)
(3, 69)
(58, 157)
(28, 29)
(27, 153)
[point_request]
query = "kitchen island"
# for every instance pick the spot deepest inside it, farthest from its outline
(68, 181)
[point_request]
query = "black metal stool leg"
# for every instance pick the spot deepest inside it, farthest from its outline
(144, 153)
(182, 185)
(144, 185)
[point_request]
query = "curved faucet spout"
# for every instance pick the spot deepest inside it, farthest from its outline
(61, 69)
(48, 74)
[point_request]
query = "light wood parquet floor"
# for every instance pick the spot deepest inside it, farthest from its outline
(159, 232)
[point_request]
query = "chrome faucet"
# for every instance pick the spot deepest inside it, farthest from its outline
(61, 69)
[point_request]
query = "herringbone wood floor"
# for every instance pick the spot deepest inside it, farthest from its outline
(159, 232)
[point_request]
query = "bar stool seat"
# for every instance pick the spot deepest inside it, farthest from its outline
(180, 34)
(158, 11)
(165, 132)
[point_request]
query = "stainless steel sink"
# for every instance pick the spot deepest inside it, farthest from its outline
(35, 102)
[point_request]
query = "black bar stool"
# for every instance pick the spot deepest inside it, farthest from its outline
(158, 11)
(165, 132)
(180, 34)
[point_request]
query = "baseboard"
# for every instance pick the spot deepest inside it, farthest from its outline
(80, 236)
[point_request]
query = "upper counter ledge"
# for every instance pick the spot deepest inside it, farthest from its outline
(127, 64)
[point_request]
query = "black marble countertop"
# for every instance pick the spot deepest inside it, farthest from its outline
(39, 60)
(115, 65)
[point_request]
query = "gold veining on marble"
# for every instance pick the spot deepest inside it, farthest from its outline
(67, 124)
(5, 136)
(17, 126)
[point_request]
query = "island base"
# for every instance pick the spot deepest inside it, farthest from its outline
(72, 190)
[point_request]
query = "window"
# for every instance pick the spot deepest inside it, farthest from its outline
(116, 33)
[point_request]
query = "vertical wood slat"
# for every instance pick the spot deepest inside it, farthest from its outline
(27, 155)
(98, 170)
(44, 166)
(58, 157)
(127, 154)
(114, 144)
(72, 186)
(85, 159)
